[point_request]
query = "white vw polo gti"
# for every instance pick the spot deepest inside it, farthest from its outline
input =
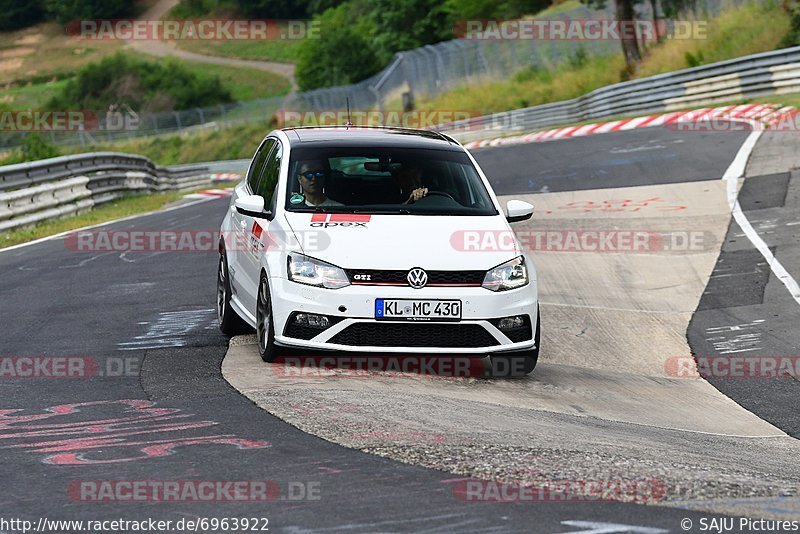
(375, 240)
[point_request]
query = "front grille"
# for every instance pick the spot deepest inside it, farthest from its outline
(299, 331)
(517, 335)
(399, 278)
(414, 335)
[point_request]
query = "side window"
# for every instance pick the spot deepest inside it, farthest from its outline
(273, 204)
(256, 167)
(270, 174)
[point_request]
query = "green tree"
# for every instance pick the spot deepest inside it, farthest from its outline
(793, 37)
(33, 148)
(274, 9)
(15, 14)
(66, 11)
(493, 9)
(343, 53)
(624, 11)
(142, 85)
(406, 24)
(317, 7)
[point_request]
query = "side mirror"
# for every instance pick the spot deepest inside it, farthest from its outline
(252, 206)
(518, 210)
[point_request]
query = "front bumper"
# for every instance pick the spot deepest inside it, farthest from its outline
(356, 326)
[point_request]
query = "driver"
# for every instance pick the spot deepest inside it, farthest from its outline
(311, 176)
(409, 180)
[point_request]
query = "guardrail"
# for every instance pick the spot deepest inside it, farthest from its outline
(767, 73)
(40, 190)
(30, 192)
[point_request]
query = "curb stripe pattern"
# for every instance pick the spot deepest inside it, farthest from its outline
(211, 193)
(766, 114)
(226, 176)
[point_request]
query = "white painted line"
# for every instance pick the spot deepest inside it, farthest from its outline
(593, 527)
(731, 177)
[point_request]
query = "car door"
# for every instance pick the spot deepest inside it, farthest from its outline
(258, 229)
(241, 225)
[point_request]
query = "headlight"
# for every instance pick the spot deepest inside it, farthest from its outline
(510, 275)
(312, 272)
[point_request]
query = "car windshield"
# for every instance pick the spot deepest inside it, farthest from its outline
(385, 180)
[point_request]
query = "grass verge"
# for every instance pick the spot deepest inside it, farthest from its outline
(281, 51)
(37, 61)
(44, 53)
(743, 30)
(244, 83)
(234, 142)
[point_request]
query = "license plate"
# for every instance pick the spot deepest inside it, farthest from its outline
(418, 310)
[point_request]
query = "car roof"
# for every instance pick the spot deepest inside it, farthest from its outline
(372, 136)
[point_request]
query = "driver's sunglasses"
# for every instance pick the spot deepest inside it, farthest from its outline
(311, 175)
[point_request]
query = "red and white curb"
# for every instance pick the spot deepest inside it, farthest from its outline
(226, 176)
(211, 193)
(767, 114)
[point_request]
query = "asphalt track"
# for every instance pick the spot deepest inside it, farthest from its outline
(154, 313)
(648, 156)
(744, 312)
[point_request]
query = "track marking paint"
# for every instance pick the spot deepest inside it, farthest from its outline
(731, 177)
(170, 329)
(735, 338)
(76, 434)
(593, 527)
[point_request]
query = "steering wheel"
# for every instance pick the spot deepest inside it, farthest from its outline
(440, 194)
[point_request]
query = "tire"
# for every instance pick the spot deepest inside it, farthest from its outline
(229, 321)
(264, 325)
(521, 363)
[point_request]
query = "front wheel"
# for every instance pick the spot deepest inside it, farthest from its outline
(520, 363)
(266, 333)
(229, 321)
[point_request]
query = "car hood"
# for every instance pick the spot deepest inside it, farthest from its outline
(405, 241)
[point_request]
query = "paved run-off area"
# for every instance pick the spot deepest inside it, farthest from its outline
(160, 410)
(609, 399)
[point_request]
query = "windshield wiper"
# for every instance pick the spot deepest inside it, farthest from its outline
(398, 211)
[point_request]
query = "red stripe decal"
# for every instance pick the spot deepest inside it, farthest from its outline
(349, 217)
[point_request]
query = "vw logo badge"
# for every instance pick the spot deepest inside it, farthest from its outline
(417, 278)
